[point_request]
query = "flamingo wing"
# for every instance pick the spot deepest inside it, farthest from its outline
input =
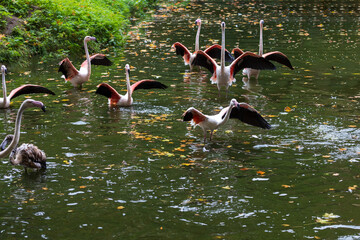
(31, 155)
(68, 69)
(278, 57)
(194, 115)
(109, 92)
(29, 88)
(183, 51)
(249, 115)
(250, 60)
(237, 52)
(204, 60)
(97, 59)
(215, 52)
(147, 84)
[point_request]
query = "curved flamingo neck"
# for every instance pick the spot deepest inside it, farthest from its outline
(261, 46)
(16, 138)
(87, 57)
(197, 44)
(4, 88)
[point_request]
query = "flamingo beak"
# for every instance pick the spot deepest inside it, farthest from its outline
(3, 144)
(43, 108)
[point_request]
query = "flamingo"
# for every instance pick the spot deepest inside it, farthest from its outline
(115, 99)
(213, 51)
(223, 75)
(26, 155)
(77, 78)
(24, 89)
(271, 56)
(241, 111)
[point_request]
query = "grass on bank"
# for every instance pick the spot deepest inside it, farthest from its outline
(56, 27)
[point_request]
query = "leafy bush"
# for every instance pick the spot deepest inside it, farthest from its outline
(57, 27)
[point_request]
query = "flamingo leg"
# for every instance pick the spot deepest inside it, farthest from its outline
(204, 136)
(211, 134)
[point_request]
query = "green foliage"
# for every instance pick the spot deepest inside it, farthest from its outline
(57, 27)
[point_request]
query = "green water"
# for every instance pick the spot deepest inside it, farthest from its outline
(142, 173)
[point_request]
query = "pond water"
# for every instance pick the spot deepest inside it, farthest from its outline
(142, 172)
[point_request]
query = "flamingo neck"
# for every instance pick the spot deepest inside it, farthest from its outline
(227, 115)
(261, 46)
(16, 138)
(222, 59)
(4, 88)
(197, 44)
(87, 58)
(129, 92)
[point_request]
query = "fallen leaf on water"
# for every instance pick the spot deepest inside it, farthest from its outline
(120, 207)
(226, 187)
(286, 186)
(260, 172)
(287, 109)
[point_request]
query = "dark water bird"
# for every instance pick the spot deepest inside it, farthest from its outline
(115, 99)
(223, 75)
(276, 56)
(77, 78)
(24, 89)
(213, 51)
(26, 155)
(241, 111)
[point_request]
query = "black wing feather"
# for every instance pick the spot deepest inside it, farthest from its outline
(248, 60)
(188, 116)
(215, 52)
(101, 60)
(103, 90)
(29, 88)
(148, 84)
(203, 61)
(248, 115)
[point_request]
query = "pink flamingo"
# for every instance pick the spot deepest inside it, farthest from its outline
(223, 75)
(241, 111)
(115, 99)
(26, 155)
(213, 51)
(77, 78)
(24, 89)
(271, 56)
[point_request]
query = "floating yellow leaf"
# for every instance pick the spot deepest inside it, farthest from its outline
(285, 186)
(82, 186)
(120, 207)
(226, 187)
(260, 172)
(287, 109)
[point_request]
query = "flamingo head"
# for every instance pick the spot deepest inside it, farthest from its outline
(127, 69)
(89, 38)
(3, 69)
(32, 103)
(223, 25)
(198, 22)
(233, 102)
(5, 142)
(261, 22)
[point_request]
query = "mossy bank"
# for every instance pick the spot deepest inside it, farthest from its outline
(57, 27)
